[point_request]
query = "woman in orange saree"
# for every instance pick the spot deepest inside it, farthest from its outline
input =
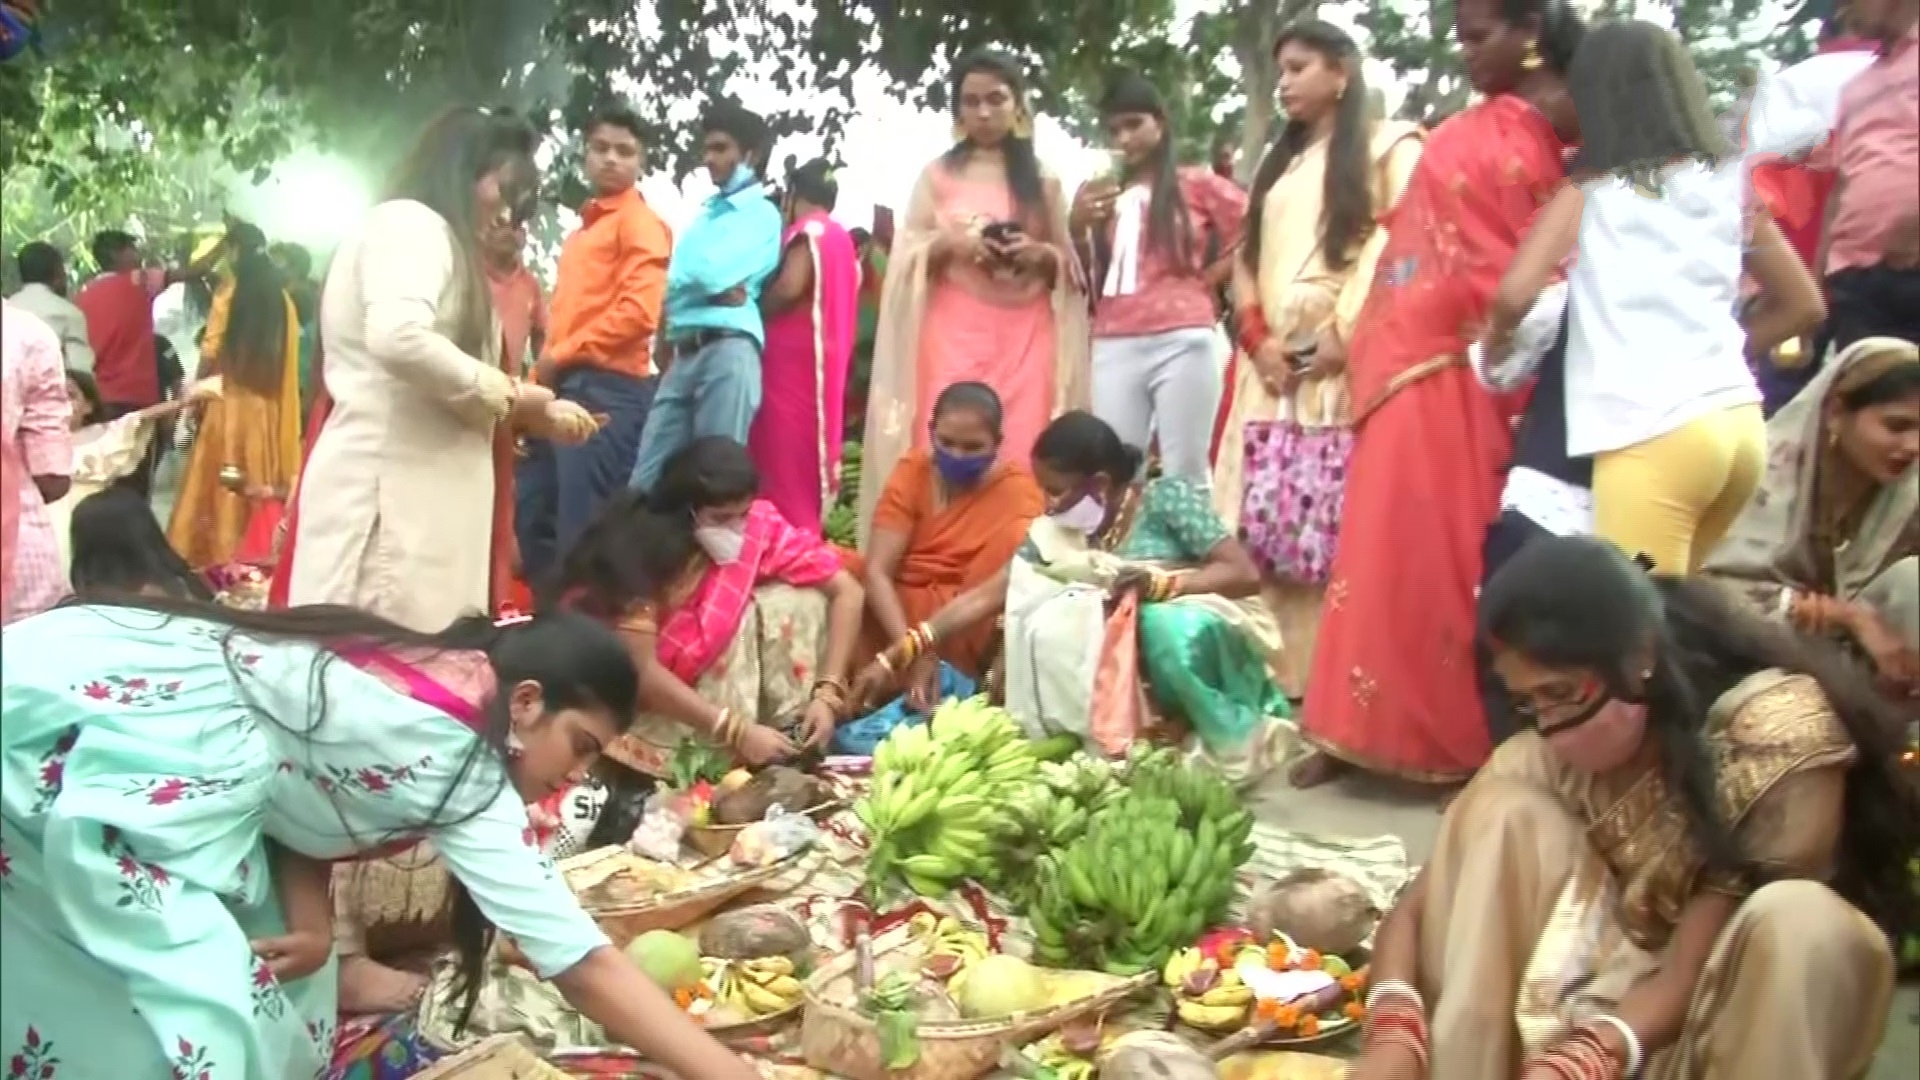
(1392, 687)
(950, 518)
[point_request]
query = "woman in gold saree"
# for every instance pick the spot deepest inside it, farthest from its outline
(981, 286)
(1831, 541)
(1303, 274)
(1687, 869)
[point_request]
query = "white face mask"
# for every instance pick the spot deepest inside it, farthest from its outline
(722, 543)
(1085, 516)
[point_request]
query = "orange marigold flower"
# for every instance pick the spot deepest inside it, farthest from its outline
(1278, 957)
(683, 998)
(1310, 1026)
(1352, 983)
(1288, 1016)
(1267, 1009)
(1355, 1011)
(1311, 962)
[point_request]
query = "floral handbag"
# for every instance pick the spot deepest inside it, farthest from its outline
(1294, 472)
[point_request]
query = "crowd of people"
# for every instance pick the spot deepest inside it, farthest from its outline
(1566, 450)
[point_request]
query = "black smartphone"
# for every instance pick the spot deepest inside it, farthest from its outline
(1001, 232)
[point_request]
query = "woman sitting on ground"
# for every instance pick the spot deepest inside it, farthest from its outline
(1207, 643)
(1679, 868)
(1832, 539)
(739, 622)
(950, 518)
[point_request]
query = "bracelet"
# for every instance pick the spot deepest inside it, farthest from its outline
(1162, 587)
(832, 693)
(726, 730)
(1636, 1053)
(1395, 988)
(886, 664)
(1397, 1018)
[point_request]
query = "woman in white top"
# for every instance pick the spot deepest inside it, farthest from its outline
(1659, 391)
(394, 509)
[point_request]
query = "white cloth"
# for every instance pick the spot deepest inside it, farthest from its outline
(1654, 339)
(1129, 230)
(1532, 339)
(1794, 110)
(65, 318)
(1054, 630)
(1561, 508)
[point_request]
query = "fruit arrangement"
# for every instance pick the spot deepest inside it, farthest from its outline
(750, 989)
(1233, 982)
(950, 947)
(1153, 869)
(937, 808)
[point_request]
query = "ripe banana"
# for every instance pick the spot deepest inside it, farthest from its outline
(1211, 1017)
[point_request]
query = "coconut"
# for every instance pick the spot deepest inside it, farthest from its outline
(780, 786)
(1320, 910)
(1156, 1055)
(750, 933)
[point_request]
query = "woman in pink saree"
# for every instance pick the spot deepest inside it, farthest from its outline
(982, 285)
(812, 307)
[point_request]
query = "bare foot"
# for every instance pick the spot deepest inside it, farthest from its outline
(369, 988)
(1315, 770)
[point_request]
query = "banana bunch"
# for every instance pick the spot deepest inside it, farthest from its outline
(1139, 881)
(1048, 816)
(939, 806)
(950, 947)
(1201, 793)
(753, 988)
(1212, 998)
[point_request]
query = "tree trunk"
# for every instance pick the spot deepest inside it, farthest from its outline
(1255, 24)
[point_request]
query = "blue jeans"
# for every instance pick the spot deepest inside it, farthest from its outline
(558, 489)
(713, 391)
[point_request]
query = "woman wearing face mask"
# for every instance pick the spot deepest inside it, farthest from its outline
(1676, 873)
(743, 627)
(189, 758)
(410, 446)
(982, 284)
(1147, 238)
(1831, 540)
(949, 520)
(1302, 275)
(1206, 641)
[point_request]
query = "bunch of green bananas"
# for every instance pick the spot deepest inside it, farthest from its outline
(1048, 816)
(938, 808)
(1140, 881)
(1200, 791)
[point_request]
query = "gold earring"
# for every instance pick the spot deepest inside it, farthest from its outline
(959, 132)
(1022, 125)
(1531, 59)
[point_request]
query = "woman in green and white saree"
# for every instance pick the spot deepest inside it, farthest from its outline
(1207, 644)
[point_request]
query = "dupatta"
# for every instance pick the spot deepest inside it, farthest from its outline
(893, 395)
(698, 630)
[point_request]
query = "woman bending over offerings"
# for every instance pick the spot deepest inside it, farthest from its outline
(1745, 827)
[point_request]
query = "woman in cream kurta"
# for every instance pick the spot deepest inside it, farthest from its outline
(1303, 299)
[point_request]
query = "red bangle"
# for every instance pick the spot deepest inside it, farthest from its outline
(1252, 324)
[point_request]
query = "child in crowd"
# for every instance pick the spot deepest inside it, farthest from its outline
(118, 547)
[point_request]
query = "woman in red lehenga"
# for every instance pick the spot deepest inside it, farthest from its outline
(1393, 687)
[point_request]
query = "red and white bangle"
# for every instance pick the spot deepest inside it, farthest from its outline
(1397, 1016)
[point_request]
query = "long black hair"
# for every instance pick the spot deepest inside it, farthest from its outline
(252, 351)
(1640, 100)
(970, 396)
(1079, 443)
(579, 664)
(1581, 603)
(458, 148)
(1023, 164)
(637, 545)
(1348, 188)
(1169, 223)
(119, 550)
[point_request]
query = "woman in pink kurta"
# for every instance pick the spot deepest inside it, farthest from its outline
(982, 284)
(812, 307)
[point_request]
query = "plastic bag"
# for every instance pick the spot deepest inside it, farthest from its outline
(778, 836)
(1116, 712)
(661, 828)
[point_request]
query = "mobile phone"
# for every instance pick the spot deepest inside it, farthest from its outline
(1001, 232)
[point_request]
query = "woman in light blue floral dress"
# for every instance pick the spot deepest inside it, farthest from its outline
(163, 762)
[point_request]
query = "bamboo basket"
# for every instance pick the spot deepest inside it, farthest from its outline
(714, 841)
(502, 1057)
(836, 1038)
(625, 920)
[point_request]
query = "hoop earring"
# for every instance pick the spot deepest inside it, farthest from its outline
(1531, 59)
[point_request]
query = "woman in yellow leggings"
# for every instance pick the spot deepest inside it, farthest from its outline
(1658, 227)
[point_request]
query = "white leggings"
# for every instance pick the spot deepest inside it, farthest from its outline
(1166, 384)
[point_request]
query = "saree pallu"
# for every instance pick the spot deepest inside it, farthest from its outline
(765, 673)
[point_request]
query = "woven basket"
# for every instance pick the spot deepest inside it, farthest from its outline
(624, 921)
(502, 1057)
(714, 841)
(838, 1039)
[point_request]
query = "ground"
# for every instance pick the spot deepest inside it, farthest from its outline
(1364, 807)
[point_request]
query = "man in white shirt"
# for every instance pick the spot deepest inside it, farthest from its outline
(43, 291)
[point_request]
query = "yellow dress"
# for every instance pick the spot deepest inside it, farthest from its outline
(257, 433)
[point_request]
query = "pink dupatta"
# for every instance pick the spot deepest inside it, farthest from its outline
(694, 635)
(797, 434)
